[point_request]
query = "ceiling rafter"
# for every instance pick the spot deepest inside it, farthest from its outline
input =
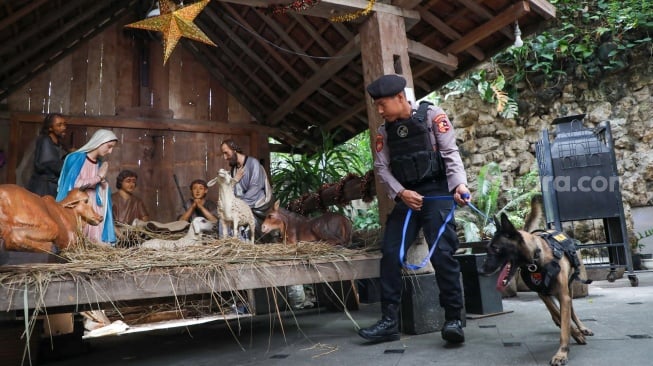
(479, 10)
(20, 13)
(325, 45)
(421, 51)
(233, 37)
(56, 49)
(52, 36)
(344, 56)
(242, 45)
(448, 32)
(486, 29)
(296, 48)
(24, 36)
(264, 65)
(231, 76)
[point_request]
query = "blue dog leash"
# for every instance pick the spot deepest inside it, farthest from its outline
(440, 231)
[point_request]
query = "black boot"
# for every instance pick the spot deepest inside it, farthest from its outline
(386, 329)
(452, 331)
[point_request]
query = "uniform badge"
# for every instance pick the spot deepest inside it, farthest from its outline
(536, 278)
(442, 123)
(379, 143)
(402, 131)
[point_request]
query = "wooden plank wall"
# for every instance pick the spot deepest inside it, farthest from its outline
(102, 76)
(102, 79)
(155, 150)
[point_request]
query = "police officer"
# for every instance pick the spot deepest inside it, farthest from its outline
(416, 157)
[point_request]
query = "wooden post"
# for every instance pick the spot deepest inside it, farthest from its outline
(384, 50)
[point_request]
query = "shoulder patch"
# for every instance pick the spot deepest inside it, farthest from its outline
(379, 142)
(442, 123)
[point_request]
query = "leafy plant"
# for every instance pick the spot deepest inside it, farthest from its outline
(489, 196)
(367, 219)
(294, 175)
(585, 39)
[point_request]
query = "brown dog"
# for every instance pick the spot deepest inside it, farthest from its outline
(545, 268)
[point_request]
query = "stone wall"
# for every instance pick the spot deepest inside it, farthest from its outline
(625, 99)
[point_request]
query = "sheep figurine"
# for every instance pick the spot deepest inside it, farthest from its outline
(198, 226)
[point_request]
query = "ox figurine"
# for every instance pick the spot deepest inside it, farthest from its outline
(332, 228)
(32, 223)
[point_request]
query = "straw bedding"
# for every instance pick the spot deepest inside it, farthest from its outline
(88, 260)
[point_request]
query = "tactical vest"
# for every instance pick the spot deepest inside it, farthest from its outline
(412, 158)
(542, 278)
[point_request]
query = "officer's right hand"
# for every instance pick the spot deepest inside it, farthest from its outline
(412, 199)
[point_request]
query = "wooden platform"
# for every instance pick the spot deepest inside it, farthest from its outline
(100, 289)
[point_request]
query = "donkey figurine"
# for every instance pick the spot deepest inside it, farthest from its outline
(332, 228)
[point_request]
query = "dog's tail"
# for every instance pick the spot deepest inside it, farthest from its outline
(536, 216)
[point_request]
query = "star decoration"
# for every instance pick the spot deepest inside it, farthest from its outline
(175, 23)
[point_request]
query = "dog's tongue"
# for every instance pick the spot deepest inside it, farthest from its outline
(502, 280)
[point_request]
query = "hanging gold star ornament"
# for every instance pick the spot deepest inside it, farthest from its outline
(175, 23)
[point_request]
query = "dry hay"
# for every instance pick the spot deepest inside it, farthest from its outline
(205, 263)
(88, 261)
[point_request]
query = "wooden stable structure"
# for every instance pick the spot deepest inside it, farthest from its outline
(277, 72)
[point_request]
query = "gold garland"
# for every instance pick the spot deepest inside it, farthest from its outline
(351, 16)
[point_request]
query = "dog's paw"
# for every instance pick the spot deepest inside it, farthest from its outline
(587, 331)
(558, 360)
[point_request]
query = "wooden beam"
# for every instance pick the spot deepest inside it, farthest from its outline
(106, 288)
(48, 57)
(330, 8)
(295, 47)
(425, 53)
(247, 50)
(449, 32)
(340, 60)
(506, 17)
(157, 124)
(406, 4)
(29, 54)
(346, 115)
(482, 12)
(241, 44)
(44, 23)
(88, 31)
(543, 8)
(14, 17)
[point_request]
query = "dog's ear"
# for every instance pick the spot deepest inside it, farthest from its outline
(496, 222)
(506, 225)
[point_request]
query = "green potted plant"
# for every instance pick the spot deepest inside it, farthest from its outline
(489, 195)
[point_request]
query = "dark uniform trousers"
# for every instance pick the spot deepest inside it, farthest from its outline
(429, 218)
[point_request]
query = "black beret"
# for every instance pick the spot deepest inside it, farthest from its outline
(386, 86)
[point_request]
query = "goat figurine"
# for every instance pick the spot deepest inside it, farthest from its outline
(232, 209)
